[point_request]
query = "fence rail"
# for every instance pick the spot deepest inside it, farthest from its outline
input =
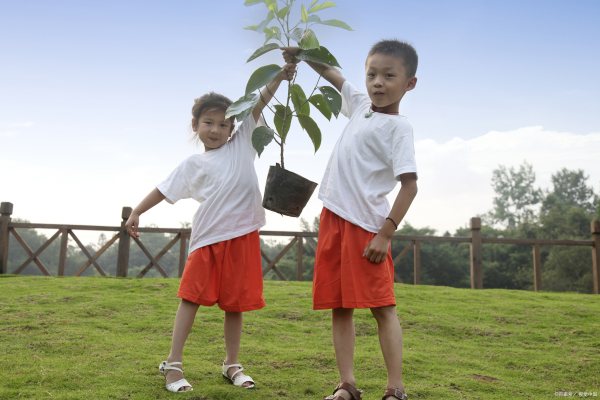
(298, 242)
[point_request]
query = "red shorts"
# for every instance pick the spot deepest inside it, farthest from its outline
(343, 278)
(228, 273)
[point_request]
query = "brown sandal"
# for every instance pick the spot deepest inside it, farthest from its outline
(354, 392)
(397, 393)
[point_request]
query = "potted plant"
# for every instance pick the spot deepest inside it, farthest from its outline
(286, 192)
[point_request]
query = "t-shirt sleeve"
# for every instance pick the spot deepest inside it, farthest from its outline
(177, 185)
(244, 131)
(352, 99)
(403, 151)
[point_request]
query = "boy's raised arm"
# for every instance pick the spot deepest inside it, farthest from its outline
(331, 74)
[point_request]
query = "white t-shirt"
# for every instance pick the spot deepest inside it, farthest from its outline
(224, 181)
(366, 163)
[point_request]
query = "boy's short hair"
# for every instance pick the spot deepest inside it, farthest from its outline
(399, 49)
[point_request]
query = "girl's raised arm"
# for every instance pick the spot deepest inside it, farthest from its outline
(267, 93)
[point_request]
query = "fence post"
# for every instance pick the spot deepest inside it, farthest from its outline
(299, 259)
(476, 271)
(183, 238)
(64, 247)
(124, 240)
(596, 255)
(6, 210)
(417, 262)
(537, 268)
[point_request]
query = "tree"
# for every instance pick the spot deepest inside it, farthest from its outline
(516, 197)
(441, 263)
(566, 213)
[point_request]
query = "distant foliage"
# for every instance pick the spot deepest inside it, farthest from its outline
(563, 211)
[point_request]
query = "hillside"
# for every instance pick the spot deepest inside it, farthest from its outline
(103, 338)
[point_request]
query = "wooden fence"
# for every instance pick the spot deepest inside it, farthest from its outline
(298, 241)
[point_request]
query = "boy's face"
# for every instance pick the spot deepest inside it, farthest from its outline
(387, 82)
(212, 129)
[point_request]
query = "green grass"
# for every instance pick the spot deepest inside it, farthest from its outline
(103, 338)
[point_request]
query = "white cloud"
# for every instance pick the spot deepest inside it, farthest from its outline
(455, 176)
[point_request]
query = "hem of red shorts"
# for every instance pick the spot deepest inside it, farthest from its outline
(363, 304)
(243, 308)
(210, 303)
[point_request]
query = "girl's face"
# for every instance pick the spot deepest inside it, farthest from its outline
(213, 129)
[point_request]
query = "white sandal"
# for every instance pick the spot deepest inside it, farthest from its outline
(176, 386)
(238, 378)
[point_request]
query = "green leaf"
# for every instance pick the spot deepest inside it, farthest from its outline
(262, 76)
(311, 127)
(304, 14)
(299, 99)
(252, 2)
(318, 100)
(320, 55)
(314, 19)
(260, 27)
(265, 49)
(333, 99)
(272, 32)
(261, 137)
(309, 40)
(282, 120)
(271, 5)
(283, 12)
(322, 6)
(296, 35)
(242, 107)
(337, 23)
(313, 2)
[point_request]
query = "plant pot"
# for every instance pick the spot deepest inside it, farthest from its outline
(286, 192)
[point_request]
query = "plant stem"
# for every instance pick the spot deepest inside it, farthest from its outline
(289, 92)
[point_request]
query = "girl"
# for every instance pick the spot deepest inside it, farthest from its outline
(224, 265)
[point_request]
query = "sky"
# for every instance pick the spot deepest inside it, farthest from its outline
(95, 98)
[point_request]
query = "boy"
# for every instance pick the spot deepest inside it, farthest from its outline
(353, 265)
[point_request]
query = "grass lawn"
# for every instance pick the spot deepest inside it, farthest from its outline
(103, 338)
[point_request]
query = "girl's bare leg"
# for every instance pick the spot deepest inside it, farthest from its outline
(233, 335)
(184, 320)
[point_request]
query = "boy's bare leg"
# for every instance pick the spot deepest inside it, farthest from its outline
(184, 320)
(390, 340)
(343, 342)
(233, 335)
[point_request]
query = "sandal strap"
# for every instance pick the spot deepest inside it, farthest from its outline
(167, 366)
(238, 371)
(397, 393)
(238, 378)
(226, 370)
(355, 394)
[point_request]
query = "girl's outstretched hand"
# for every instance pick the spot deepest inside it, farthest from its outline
(132, 225)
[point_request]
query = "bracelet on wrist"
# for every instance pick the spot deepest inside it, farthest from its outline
(392, 221)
